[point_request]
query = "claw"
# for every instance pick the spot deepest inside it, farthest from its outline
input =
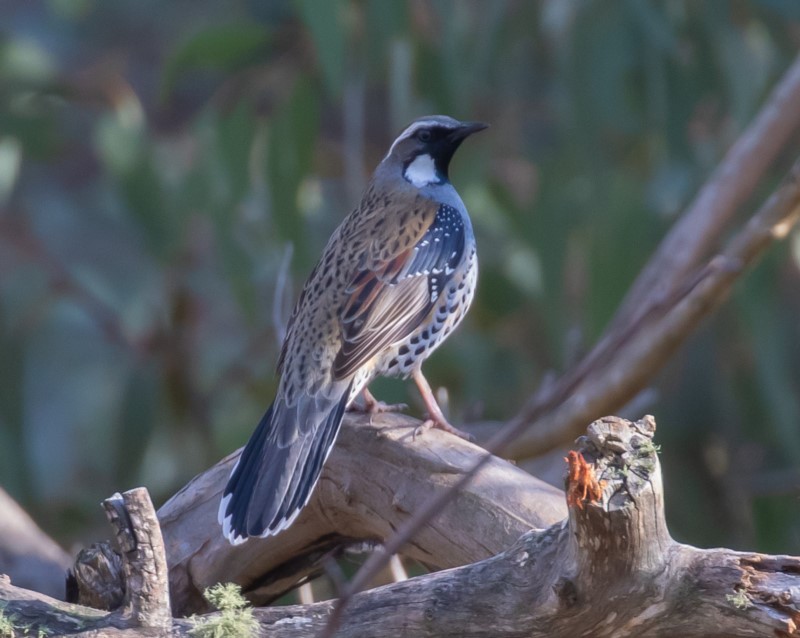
(373, 406)
(442, 425)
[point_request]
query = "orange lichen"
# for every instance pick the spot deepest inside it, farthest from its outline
(582, 485)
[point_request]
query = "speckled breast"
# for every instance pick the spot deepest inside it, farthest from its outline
(452, 304)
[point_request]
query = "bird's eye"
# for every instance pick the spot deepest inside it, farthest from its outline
(425, 135)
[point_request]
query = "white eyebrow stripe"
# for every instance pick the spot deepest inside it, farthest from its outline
(410, 130)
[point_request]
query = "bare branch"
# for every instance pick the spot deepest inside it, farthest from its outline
(371, 484)
(636, 355)
(609, 569)
(283, 292)
(697, 232)
(669, 276)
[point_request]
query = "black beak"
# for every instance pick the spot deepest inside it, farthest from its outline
(466, 129)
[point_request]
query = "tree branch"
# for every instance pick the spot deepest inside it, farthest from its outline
(669, 276)
(623, 363)
(697, 231)
(371, 483)
(609, 569)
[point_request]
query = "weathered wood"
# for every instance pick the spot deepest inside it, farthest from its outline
(376, 476)
(97, 579)
(609, 569)
(131, 579)
(146, 602)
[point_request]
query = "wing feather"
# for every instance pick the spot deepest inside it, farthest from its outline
(389, 300)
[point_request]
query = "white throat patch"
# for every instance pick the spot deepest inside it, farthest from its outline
(422, 171)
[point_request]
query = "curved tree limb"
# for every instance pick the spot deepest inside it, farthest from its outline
(609, 569)
(372, 482)
(697, 232)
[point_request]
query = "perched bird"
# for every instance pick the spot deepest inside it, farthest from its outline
(396, 277)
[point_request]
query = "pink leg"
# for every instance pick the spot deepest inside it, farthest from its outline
(436, 418)
(373, 406)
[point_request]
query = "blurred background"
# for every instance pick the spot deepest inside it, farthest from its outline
(170, 171)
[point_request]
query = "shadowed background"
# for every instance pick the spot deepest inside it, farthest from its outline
(169, 173)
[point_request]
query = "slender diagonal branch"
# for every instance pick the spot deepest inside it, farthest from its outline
(675, 267)
(620, 369)
(696, 233)
(636, 355)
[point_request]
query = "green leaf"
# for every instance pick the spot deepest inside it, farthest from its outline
(293, 135)
(324, 20)
(143, 193)
(234, 134)
(219, 48)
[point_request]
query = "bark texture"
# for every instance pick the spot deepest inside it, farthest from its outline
(610, 568)
(375, 478)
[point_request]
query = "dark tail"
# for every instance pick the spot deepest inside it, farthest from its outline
(279, 467)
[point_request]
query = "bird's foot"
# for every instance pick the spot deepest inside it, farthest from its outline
(371, 405)
(377, 407)
(442, 425)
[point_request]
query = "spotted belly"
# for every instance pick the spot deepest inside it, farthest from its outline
(402, 358)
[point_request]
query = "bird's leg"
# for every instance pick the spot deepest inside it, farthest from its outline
(373, 406)
(436, 418)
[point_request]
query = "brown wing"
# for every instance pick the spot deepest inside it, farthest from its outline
(388, 301)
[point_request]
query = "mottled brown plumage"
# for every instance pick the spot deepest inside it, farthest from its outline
(393, 281)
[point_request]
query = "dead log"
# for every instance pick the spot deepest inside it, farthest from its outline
(609, 569)
(377, 474)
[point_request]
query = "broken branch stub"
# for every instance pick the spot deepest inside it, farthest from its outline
(624, 531)
(610, 569)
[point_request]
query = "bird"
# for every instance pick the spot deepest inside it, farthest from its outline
(394, 280)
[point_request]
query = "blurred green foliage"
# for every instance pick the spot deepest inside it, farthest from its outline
(159, 162)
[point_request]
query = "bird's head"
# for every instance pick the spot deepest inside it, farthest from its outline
(425, 148)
